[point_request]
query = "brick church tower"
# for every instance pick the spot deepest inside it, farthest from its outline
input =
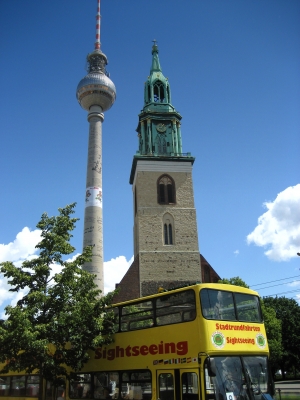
(166, 251)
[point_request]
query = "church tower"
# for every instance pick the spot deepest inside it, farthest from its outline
(166, 251)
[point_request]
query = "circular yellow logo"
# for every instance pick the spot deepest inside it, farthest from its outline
(260, 341)
(218, 340)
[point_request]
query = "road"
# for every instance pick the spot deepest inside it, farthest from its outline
(288, 387)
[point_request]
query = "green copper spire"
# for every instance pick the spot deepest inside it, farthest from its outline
(158, 130)
(155, 60)
(157, 93)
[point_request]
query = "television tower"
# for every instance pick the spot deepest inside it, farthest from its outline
(95, 93)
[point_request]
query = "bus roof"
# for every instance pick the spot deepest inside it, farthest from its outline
(199, 286)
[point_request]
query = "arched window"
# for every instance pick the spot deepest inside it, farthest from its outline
(168, 94)
(165, 190)
(168, 229)
(158, 92)
(161, 144)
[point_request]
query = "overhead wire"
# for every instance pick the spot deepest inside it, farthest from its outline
(276, 294)
(277, 280)
(278, 284)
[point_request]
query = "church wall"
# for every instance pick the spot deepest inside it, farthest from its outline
(146, 182)
(150, 233)
(163, 265)
(170, 266)
(149, 214)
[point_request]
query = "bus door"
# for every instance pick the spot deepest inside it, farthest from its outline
(189, 383)
(178, 384)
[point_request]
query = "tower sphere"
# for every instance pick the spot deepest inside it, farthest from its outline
(96, 88)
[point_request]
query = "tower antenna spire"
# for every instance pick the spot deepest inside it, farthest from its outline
(98, 22)
(95, 93)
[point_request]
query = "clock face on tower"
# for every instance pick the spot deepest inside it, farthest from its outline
(161, 128)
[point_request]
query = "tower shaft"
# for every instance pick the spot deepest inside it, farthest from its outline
(93, 231)
(95, 93)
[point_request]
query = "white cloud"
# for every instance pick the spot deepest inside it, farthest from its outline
(278, 228)
(236, 252)
(294, 283)
(114, 270)
(23, 248)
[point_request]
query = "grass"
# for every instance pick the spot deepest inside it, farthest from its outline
(287, 396)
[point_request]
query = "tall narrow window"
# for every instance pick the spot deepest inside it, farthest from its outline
(166, 234)
(158, 92)
(168, 229)
(165, 190)
(168, 94)
(170, 234)
(161, 144)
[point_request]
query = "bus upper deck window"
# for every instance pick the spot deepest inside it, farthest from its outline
(175, 308)
(137, 316)
(217, 304)
(248, 307)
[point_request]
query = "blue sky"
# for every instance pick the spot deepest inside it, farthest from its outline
(233, 68)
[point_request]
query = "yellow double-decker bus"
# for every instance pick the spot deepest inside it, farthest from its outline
(202, 342)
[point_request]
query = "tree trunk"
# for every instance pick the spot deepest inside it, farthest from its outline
(41, 383)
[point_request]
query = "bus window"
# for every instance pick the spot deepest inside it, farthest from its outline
(166, 386)
(257, 371)
(53, 392)
(248, 307)
(106, 385)
(18, 386)
(189, 386)
(136, 385)
(80, 386)
(32, 385)
(226, 306)
(116, 319)
(174, 308)
(229, 382)
(217, 304)
(137, 316)
(4, 385)
(239, 378)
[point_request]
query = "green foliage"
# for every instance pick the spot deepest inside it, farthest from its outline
(273, 329)
(273, 325)
(288, 312)
(236, 280)
(62, 315)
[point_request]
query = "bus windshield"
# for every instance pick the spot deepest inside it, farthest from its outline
(230, 306)
(238, 378)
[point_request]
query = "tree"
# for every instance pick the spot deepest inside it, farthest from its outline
(288, 312)
(272, 325)
(236, 280)
(273, 329)
(62, 315)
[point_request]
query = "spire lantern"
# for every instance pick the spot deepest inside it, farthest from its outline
(159, 131)
(155, 60)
